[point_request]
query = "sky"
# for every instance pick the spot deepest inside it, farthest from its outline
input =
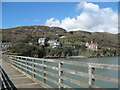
(87, 16)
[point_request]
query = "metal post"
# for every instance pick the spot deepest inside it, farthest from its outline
(91, 75)
(15, 58)
(22, 63)
(26, 65)
(9, 59)
(60, 72)
(44, 74)
(33, 66)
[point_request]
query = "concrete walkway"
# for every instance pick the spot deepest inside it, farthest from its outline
(12, 78)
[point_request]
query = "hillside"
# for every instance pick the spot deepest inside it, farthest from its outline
(30, 33)
(33, 33)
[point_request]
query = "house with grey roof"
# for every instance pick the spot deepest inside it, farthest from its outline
(4, 46)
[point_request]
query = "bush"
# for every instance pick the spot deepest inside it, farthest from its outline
(25, 50)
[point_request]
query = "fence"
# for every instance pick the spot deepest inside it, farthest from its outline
(29, 67)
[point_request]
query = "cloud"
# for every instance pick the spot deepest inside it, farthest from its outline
(53, 22)
(92, 18)
(87, 6)
(4, 27)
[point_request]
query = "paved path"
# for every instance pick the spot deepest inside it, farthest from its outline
(15, 79)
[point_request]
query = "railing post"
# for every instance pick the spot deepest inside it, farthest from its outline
(10, 61)
(91, 75)
(15, 58)
(26, 66)
(21, 62)
(33, 67)
(44, 74)
(60, 72)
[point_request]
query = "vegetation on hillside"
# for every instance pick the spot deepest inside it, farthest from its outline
(26, 40)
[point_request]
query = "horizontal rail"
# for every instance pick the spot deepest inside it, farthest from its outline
(55, 75)
(96, 65)
(50, 74)
(97, 77)
(53, 81)
(38, 81)
(47, 86)
(60, 69)
(107, 79)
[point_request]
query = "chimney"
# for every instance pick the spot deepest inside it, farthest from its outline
(91, 42)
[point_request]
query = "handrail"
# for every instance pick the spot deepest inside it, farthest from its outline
(24, 63)
(102, 66)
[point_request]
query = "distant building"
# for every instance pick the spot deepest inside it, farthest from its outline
(51, 42)
(92, 46)
(87, 44)
(66, 42)
(63, 36)
(57, 44)
(4, 46)
(42, 41)
(54, 43)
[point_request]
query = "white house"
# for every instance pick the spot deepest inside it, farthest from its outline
(42, 41)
